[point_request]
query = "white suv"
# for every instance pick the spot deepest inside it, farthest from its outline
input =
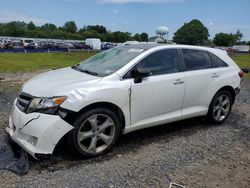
(122, 90)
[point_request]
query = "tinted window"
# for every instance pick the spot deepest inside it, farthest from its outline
(161, 62)
(217, 61)
(196, 59)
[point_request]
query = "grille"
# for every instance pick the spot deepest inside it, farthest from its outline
(23, 101)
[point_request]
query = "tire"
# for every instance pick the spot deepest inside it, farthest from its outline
(220, 104)
(90, 138)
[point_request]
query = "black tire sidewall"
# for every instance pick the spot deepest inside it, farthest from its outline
(210, 112)
(77, 124)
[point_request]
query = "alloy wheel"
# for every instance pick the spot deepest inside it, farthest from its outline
(96, 133)
(221, 107)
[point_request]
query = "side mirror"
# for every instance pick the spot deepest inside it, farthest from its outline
(139, 73)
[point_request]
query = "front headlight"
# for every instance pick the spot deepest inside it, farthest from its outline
(45, 105)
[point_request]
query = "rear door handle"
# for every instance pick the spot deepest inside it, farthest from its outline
(178, 82)
(215, 75)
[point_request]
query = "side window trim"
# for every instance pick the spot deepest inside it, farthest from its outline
(211, 60)
(182, 62)
(180, 66)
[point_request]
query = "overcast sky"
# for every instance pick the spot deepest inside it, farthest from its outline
(134, 16)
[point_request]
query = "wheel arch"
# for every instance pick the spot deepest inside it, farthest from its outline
(70, 118)
(231, 90)
(228, 88)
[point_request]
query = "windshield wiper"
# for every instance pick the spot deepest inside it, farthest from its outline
(76, 67)
(88, 72)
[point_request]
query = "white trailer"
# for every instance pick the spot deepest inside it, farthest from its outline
(241, 48)
(94, 43)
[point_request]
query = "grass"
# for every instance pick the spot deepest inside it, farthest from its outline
(10, 62)
(243, 61)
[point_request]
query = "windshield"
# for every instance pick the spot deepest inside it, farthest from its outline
(109, 61)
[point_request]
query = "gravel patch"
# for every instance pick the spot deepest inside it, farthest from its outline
(192, 153)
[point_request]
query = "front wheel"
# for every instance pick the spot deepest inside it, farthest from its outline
(95, 132)
(220, 107)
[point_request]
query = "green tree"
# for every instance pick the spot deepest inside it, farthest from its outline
(68, 31)
(90, 34)
(48, 27)
(70, 27)
(144, 37)
(193, 33)
(15, 29)
(209, 43)
(98, 28)
(2, 29)
(31, 26)
(137, 37)
(118, 36)
(224, 39)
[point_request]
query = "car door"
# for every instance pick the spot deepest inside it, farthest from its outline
(200, 80)
(158, 98)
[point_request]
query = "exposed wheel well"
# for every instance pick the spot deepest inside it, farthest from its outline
(70, 118)
(231, 90)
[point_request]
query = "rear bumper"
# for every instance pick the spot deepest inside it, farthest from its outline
(37, 133)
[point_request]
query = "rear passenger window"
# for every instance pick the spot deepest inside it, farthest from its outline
(196, 59)
(218, 62)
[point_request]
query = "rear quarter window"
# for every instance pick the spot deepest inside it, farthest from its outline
(218, 62)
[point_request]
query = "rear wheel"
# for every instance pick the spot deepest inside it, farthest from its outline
(95, 132)
(220, 107)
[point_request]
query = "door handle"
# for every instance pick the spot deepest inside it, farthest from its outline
(215, 75)
(178, 82)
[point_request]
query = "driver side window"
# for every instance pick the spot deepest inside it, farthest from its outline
(160, 62)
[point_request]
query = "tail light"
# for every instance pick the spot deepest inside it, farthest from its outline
(241, 73)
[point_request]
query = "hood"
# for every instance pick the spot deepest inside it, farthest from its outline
(58, 82)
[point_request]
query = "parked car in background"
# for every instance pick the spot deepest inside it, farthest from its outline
(1, 44)
(47, 45)
(31, 45)
(69, 45)
(61, 45)
(81, 45)
(107, 45)
(26, 42)
(42, 45)
(17, 45)
(7, 44)
(119, 91)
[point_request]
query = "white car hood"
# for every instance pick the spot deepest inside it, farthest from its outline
(58, 82)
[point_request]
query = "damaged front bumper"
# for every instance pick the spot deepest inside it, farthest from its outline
(37, 133)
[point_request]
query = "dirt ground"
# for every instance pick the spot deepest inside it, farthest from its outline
(192, 153)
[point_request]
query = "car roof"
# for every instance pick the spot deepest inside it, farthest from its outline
(150, 46)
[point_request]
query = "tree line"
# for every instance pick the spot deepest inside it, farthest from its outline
(193, 33)
(68, 31)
